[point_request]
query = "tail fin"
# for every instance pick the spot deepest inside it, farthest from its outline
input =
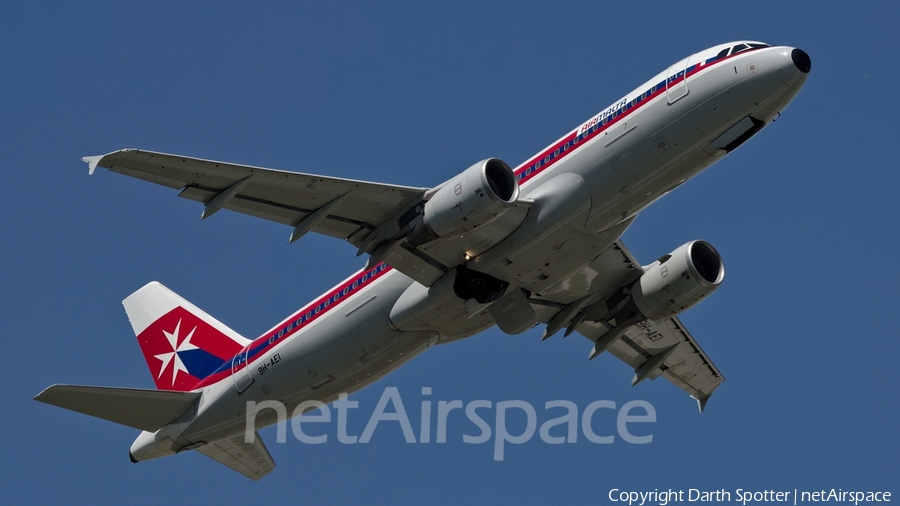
(181, 344)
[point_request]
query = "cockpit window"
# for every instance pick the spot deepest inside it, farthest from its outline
(739, 48)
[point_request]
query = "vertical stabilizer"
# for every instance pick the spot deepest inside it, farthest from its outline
(181, 343)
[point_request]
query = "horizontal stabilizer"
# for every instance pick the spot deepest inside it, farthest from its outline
(142, 409)
(250, 459)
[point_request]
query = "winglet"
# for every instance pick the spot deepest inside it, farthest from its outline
(701, 402)
(92, 162)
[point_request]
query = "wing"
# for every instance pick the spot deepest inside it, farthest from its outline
(652, 348)
(250, 459)
(341, 208)
(683, 362)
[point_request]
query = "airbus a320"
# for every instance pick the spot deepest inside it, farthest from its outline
(516, 248)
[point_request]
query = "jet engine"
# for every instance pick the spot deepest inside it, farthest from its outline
(474, 198)
(678, 281)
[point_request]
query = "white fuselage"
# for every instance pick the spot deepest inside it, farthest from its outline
(591, 183)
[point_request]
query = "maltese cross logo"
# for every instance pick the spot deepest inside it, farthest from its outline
(172, 356)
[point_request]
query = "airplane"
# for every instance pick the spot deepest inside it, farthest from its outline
(516, 248)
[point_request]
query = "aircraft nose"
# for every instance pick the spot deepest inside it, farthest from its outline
(801, 60)
(792, 64)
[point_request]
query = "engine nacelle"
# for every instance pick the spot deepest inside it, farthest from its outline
(474, 198)
(678, 281)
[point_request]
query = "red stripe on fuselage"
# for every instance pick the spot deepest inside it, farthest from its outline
(521, 171)
(302, 318)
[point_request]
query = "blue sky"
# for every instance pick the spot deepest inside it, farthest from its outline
(805, 216)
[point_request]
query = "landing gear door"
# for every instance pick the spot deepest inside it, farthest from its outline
(240, 371)
(676, 81)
